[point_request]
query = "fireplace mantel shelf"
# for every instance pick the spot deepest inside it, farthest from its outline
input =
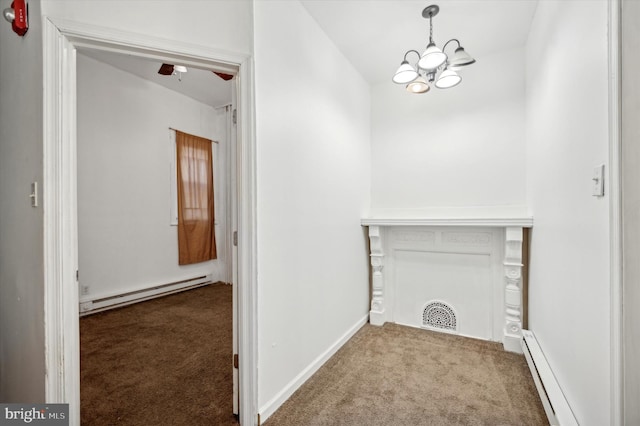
(499, 222)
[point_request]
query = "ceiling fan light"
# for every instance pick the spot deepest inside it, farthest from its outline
(447, 79)
(405, 74)
(432, 58)
(419, 85)
(460, 59)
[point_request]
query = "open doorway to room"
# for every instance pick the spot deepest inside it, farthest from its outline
(171, 355)
(61, 39)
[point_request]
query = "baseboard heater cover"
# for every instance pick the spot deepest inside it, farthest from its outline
(102, 303)
(553, 400)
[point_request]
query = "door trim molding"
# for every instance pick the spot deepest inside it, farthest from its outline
(62, 344)
(615, 213)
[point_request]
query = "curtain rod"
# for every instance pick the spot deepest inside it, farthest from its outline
(176, 130)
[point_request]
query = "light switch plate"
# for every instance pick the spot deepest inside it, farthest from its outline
(34, 194)
(598, 181)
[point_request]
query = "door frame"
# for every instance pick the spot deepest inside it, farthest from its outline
(60, 257)
(616, 293)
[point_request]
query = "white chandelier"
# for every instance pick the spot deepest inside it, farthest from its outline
(433, 65)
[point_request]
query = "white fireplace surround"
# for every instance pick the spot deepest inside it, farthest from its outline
(469, 270)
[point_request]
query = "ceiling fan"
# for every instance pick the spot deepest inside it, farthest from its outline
(168, 69)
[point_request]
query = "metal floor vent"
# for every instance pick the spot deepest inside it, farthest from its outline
(440, 316)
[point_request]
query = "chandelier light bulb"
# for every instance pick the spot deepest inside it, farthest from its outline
(419, 85)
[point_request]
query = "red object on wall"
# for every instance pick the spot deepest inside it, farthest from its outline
(20, 23)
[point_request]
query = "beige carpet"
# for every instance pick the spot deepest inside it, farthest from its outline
(162, 362)
(166, 362)
(395, 375)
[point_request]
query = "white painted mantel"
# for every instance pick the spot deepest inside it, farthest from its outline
(497, 241)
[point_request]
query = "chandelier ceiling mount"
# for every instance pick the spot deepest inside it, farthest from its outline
(430, 11)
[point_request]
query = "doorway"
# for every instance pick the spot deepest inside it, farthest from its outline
(61, 41)
(127, 239)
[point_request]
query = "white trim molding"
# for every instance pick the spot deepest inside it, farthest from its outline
(61, 38)
(62, 341)
(498, 222)
(247, 283)
(615, 213)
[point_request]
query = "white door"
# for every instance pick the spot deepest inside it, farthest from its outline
(233, 187)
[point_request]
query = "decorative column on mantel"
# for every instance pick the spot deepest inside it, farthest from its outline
(377, 314)
(513, 231)
(513, 290)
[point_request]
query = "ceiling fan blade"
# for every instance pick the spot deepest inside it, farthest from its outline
(225, 77)
(166, 69)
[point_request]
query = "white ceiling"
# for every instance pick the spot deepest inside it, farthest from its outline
(375, 34)
(202, 85)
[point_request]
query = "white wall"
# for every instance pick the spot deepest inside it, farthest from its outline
(125, 240)
(459, 150)
(21, 226)
(567, 136)
(631, 201)
(313, 160)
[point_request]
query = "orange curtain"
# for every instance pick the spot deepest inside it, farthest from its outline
(196, 233)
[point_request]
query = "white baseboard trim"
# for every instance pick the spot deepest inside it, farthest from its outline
(555, 404)
(272, 405)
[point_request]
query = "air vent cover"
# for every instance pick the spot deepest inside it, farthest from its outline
(440, 316)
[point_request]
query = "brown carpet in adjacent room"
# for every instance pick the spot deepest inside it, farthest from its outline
(401, 376)
(162, 362)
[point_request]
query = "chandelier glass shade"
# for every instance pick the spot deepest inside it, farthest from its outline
(460, 58)
(432, 58)
(405, 74)
(448, 78)
(434, 66)
(419, 85)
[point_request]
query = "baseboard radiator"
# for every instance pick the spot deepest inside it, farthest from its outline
(93, 304)
(555, 404)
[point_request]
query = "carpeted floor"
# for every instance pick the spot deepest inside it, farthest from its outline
(167, 362)
(162, 362)
(395, 375)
